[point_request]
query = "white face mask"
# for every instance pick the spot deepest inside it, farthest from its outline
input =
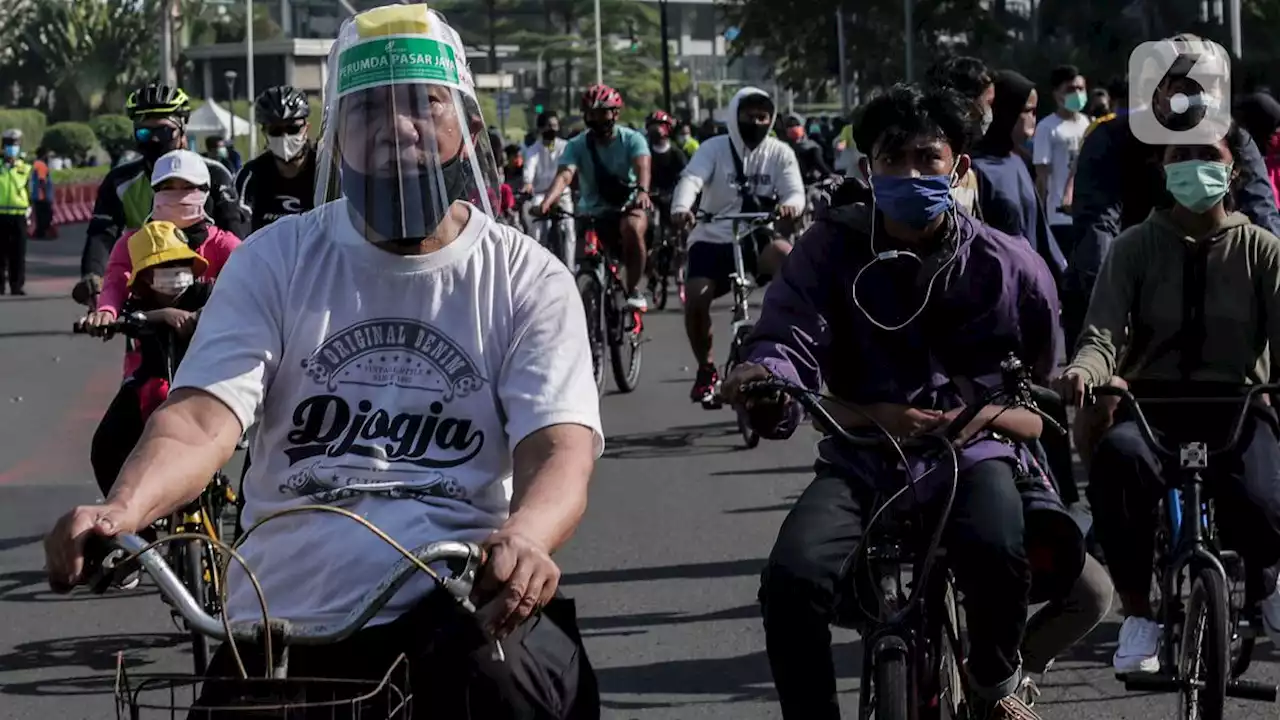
(287, 147)
(987, 118)
(171, 281)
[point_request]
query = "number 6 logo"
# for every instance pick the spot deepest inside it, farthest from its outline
(1180, 91)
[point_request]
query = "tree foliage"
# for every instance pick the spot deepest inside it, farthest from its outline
(69, 57)
(70, 139)
(114, 133)
(1095, 35)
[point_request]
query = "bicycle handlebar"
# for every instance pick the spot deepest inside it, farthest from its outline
(132, 325)
(755, 217)
(1015, 385)
(104, 557)
(1148, 436)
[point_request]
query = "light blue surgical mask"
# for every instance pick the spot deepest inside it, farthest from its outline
(1198, 185)
(1075, 101)
(12, 151)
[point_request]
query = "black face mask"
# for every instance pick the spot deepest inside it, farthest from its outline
(550, 134)
(152, 150)
(603, 128)
(196, 234)
(752, 134)
(378, 200)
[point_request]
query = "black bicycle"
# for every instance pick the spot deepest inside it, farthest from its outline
(741, 325)
(215, 514)
(615, 331)
(665, 257)
(1211, 632)
(913, 648)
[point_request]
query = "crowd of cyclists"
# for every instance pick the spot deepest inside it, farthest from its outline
(956, 231)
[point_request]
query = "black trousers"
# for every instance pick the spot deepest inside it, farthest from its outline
(802, 584)
(1125, 487)
(13, 251)
(44, 217)
(452, 674)
(118, 431)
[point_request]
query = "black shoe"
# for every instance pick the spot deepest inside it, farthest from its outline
(704, 387)
(19, 291)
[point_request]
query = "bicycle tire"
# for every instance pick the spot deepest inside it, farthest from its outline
(1205, 652)
(625, 329)
(593, 302)
(193, 569)
(750, 438)
(892, 687)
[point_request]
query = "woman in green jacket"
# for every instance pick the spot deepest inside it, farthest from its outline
(1187, 304)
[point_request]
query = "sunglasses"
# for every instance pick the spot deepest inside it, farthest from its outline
(281, 130)
(163, 134)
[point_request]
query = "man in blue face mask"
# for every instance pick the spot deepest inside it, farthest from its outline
(901, 307)
(15, 206)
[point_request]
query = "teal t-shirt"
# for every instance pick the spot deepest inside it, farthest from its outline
(616, 157)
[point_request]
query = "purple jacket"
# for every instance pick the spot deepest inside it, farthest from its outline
(996, 298)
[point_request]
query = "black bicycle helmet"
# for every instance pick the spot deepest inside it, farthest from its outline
(281, 103)
(158, 101)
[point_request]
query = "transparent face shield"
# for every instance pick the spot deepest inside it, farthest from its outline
(403, 140)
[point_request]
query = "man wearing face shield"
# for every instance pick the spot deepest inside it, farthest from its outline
(280, 181)
(159, 115)
(405, 357)
(1119, 179)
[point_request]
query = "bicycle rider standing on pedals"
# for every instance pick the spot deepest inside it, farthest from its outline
(407, 359)
(612, 166)
(897, 307)
(743, 171)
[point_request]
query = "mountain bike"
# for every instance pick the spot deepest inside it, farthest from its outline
(277, 695)
(666, 255)
(744, 227)
(614, 331)
(1211, 632)
(214, 514)
(914, 650)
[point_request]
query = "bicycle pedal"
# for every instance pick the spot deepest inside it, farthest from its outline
(1252, 690)
(1150, 682)
(712, 404)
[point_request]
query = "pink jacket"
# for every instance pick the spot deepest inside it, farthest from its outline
(215, 249)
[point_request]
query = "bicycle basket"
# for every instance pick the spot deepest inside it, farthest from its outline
(154, 696)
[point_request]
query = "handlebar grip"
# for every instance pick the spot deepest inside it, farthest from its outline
(101, 563)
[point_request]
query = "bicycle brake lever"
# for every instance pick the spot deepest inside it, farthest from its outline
(1044, 417)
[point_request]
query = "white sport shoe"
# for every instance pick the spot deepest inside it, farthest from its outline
(1139, 646)
(1271, 616)
(637, 302)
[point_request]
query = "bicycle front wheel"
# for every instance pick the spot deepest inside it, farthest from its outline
(750, 437)
(593, 301)
(1204, 662)
(193, 576)
(892, 686)
(625, 334)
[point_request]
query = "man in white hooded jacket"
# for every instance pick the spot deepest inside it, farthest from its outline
(744, 165)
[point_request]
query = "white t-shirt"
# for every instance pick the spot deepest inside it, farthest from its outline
(395, 387)
(1057, 144)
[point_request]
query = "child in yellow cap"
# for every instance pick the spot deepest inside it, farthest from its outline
(163, 288)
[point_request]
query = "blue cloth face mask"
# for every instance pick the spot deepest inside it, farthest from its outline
(1197, 185)
(913, 201)
(11, 151)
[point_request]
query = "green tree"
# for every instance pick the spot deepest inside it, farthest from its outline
(84, 51)
(70, 139)
(114, 133)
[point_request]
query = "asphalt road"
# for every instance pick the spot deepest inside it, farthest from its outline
(664, 568)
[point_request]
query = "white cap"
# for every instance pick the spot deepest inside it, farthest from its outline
(13, 134)
(182, 164)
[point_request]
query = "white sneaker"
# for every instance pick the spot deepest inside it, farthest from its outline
(1271, 616)
(637, 302)
(1139, 646)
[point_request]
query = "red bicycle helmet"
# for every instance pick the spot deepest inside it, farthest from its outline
(601, 97)
(659, 117)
